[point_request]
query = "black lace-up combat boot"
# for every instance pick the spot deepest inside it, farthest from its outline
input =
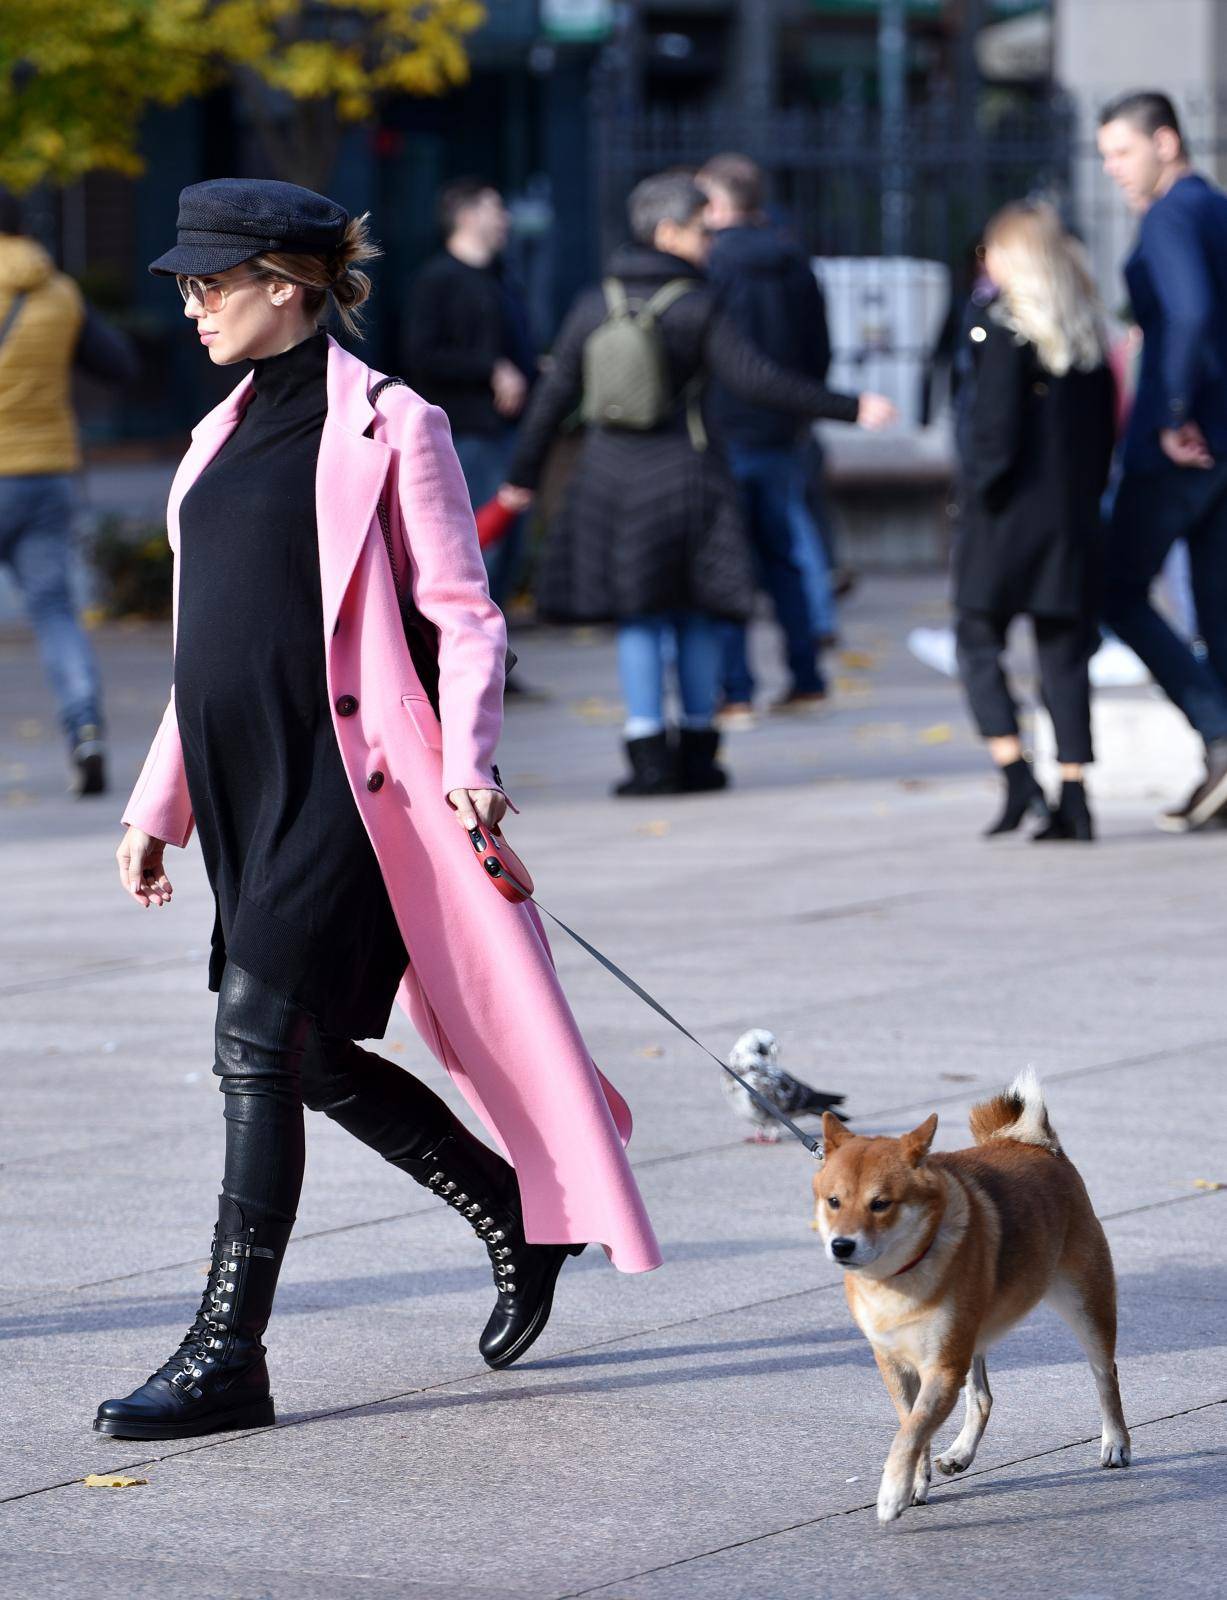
(480, 1185)
(217, 1378)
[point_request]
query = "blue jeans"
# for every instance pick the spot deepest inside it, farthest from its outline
(484, 458)
(36, 545)
(1151, 511)
(644, 644)
(791, 568)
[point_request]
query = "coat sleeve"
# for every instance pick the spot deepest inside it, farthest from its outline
(1176, 258)
(159, 804)
(995, 432)
(741, 367)
(449, 588)
(557, 394)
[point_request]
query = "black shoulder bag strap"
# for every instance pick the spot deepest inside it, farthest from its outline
(420, 635)
(14, 311)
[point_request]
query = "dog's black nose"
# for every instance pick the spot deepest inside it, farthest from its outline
(843, 1249)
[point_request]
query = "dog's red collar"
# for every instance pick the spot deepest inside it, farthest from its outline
(916, 1260)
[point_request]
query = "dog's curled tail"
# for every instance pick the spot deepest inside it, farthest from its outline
(1019, 1114)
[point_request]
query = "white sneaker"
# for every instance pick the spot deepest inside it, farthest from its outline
(935, 647)
(1115, 666)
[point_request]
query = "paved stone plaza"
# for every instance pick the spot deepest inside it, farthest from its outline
(712, 1431)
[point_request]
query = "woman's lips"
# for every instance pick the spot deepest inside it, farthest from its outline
(207, 336)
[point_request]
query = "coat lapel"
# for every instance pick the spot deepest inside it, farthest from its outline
(208, 436)
(349, 477)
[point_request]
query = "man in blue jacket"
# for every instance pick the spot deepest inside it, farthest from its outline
(1174, 459)
(769, 291)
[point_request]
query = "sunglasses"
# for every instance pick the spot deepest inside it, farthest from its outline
(211, 296)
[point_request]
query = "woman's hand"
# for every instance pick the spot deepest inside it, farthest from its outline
(473, 806)
(140, 868)
(512, 498)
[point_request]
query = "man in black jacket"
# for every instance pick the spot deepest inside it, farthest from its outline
(769, 291)
(469, 349)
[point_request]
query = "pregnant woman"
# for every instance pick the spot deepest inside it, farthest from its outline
(331, 773)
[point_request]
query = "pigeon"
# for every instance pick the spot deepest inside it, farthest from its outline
(756, 1057)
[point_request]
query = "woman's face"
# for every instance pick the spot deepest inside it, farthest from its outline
(997, 265)
(257, 317)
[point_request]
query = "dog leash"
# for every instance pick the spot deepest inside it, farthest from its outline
(815, 1147)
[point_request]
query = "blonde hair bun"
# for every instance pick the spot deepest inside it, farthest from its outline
(335, 276)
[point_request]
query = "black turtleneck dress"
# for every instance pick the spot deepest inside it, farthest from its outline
(300, 899)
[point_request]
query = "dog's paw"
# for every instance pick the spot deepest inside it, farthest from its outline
(952, 1461)
(893, 1500)
(1115, 1453)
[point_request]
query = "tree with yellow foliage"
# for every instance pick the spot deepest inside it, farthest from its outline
(77, 75)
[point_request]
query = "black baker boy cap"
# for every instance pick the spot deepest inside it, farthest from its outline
(226, 221)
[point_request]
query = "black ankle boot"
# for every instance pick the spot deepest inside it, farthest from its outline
(482, 1187)
(652, 767)
(217, 1378)
(1072, 818)
(697, 770)
(1022, 795)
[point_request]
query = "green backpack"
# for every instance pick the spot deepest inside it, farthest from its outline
(626, 377)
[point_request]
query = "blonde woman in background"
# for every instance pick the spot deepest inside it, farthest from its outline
(1035, 462)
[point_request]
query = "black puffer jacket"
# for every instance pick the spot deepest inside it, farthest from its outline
(649, 523)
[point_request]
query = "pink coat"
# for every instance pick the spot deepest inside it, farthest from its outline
(481, 987)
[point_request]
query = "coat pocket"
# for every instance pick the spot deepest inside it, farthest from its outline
(424, 720)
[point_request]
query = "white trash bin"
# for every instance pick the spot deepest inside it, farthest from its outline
(885, 314)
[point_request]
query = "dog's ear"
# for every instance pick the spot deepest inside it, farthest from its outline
(833, 1131)
(916, 1144)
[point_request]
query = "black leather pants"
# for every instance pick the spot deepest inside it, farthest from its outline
(272, 1059)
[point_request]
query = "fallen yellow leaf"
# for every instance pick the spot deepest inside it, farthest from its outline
(1208, 1184)
(651, 1051)
(654, 830)
(112, 1480)
(857, 660)
(595, 709)
(939, 733)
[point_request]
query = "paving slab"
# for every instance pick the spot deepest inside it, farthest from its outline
(715, 1428)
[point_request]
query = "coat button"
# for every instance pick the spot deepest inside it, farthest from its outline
(375, 782)
(346, 705)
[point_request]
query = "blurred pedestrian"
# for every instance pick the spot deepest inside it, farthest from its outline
(47, 329)
(334, 777)
(1173, 481)
(649, 533)
(469, 352)
(768, 290)
(1037, 447)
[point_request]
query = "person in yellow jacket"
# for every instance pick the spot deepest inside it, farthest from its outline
(46, 329)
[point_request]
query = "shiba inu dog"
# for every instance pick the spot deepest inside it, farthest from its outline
(945, 1251)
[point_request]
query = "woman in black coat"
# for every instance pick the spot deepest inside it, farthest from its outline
(1036, 455)
(649, 535)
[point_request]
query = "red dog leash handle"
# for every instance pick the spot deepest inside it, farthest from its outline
(503, 867)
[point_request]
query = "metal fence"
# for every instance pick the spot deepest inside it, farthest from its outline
(851, 181)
